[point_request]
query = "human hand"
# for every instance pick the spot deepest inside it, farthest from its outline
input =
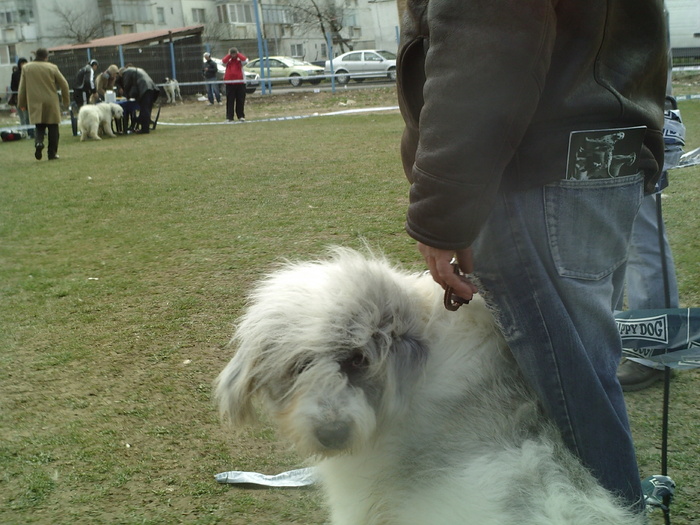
(443, 273)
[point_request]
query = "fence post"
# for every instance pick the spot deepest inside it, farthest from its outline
(172, 60)
(259, 35)
(329, 45)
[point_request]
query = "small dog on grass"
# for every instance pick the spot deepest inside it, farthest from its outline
(96, 118)
(172, 90)
(413, 414)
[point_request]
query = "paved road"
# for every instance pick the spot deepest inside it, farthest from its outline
(280, 88)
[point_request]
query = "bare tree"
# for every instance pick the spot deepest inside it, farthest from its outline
(77, 25)
(326, 15)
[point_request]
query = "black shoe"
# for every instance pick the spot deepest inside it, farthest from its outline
(55, 157)
(39, 146)
(633, 376)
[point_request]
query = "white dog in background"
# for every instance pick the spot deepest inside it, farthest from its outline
(172, 90)
(414, 415)
(96, 118)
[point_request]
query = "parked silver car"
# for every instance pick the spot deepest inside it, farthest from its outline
(359, 65)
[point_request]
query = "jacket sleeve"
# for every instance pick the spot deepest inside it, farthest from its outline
(226, 59)
(62, 84)
(485, 68)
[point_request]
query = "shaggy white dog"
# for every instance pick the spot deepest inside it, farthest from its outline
(415, 415)
(96, 118)
(172, 90)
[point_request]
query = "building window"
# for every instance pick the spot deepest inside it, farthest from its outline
(5, 57)
(198, 16)
(276, 14)
(160, 15)
(297, 50)
(222, 14)
(240, 13)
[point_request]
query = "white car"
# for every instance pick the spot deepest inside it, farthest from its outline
(359, 65)
(292, 69)
(252, 81)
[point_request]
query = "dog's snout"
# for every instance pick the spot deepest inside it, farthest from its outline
(334, 436)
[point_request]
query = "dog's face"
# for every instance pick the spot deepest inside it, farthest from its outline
(117, 110)
(331, 348)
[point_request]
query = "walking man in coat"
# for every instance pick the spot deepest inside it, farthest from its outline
(38, 88)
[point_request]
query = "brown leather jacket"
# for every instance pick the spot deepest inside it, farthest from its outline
(490, 91)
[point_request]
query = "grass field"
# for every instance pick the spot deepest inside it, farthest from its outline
(124, 264)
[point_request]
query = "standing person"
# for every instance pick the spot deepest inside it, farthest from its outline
(14, 87)
(137, 84)
(533, 128)
(235, 84)
(85, 83)
(650, 278)
(209, 70)
(38, 88)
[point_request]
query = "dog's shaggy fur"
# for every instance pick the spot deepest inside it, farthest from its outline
(93, 119)
(172, 90)
(415, 415)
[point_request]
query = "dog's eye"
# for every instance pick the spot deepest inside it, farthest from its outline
(356, 362)
(359, 360)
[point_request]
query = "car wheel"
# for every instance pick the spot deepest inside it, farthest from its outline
(392, 74)
(250, 90)
(295, 80)
(316, 81)
(342, 77)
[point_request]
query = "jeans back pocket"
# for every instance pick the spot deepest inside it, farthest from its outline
(589, 223)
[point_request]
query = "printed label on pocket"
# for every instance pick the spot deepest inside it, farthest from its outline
(604, 153)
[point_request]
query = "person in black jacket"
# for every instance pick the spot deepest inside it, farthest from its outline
(136, 84)
(209, 71)
(85, 87)
(14, 88)
(533, 128)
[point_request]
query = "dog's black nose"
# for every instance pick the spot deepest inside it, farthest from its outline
(335, 436)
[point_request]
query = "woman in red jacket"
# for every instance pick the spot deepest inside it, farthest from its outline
(235, 84)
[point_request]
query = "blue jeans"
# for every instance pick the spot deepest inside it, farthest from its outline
(213, 91)
(24, 121)
(644, 278)
(548, 259)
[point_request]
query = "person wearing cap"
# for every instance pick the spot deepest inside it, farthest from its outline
(85, 83)
(38, 85)
(209, 70)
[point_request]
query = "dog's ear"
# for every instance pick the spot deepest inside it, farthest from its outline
(233, 392)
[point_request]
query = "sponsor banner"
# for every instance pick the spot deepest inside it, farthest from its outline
(670, 337)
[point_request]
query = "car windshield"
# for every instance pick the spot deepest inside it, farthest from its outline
(387, 55)
(297, 62)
